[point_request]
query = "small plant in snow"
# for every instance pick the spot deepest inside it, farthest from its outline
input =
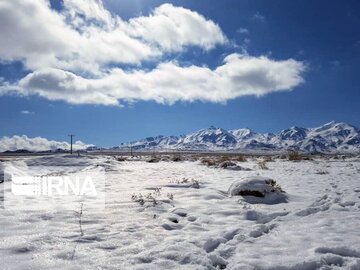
(240, 159)
(183, 181)
(268, 159)
(170, 196)
(157, 191)
(120, 158)
(138, 198)
(150, 199)
(79, 214)
(295, 156)
(262, 165)
(321, 172)
(275, 185)
(191, 182)
(223, 158)
(208, 162)
(195, 183)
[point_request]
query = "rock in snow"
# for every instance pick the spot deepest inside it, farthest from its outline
(230, 165)
(258, 190)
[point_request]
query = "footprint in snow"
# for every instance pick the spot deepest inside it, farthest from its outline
(183, 213)
(177, 218)
(321, 204)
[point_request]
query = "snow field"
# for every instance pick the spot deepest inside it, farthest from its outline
(190, 221)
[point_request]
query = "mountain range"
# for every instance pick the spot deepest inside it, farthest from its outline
(333, 137)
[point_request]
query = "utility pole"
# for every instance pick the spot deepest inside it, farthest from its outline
(71, 142)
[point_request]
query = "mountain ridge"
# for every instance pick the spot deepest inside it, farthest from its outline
(328, 138)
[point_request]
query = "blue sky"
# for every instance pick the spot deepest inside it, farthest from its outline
(322, 35)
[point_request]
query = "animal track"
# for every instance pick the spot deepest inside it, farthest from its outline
(177, 218)
(341, 251)
(261, 230)
(322, 204)
(180, 212)
(263, 218)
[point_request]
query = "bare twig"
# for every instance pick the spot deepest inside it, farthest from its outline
(80, 218)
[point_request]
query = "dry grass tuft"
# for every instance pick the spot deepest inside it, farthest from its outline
(268, 159)
(262, 165)
(321, 172)
(295, 156)
(240, 158)
(216, 161)
(208, 162)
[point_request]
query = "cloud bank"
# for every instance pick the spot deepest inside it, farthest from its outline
(36, 144)
(85, 36)
(239, 75)
(74, 55)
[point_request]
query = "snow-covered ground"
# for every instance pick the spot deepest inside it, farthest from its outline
(190, 221)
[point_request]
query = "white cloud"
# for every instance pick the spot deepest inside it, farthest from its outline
(242, 31)
(335, 63)
(36, 144)
(169, 82)
(258, 17)
(70, 54)
(88, 10)
(26, 112)
(172, 28)
(85, 36)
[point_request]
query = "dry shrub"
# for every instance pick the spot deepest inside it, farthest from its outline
(194, 183)
(226, 164)
(208, 162)
(183, 181)
(211, 162)
(295, 156)
(222, 159)
(170, 196)
(276, 186)
(149, 198)
(321, 172)
(240, 158)
(262, 165)
(268, 159)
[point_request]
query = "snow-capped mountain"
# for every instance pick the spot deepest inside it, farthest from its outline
(331, 137)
